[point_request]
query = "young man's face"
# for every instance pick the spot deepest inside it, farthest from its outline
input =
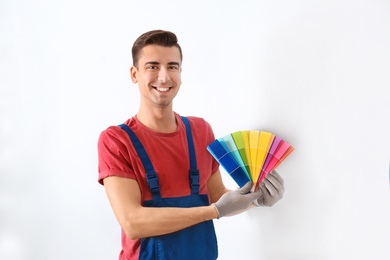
(158, 74)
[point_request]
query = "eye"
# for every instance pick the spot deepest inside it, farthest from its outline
(152, 67)
(173, 67)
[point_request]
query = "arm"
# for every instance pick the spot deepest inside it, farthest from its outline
(216, 187)
(138, 221)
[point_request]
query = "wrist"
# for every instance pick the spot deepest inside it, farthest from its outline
(216, 211)
(256, 203)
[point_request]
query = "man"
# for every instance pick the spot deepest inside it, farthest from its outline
(163, 185)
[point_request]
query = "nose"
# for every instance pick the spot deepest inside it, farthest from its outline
(163, 75)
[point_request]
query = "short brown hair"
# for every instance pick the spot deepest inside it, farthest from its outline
(158, 37)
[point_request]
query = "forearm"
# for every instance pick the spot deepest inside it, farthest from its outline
(148, 221)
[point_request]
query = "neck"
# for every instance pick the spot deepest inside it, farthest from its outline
(160, 120)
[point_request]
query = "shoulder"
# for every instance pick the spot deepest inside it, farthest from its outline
(198, 122)
(114, 133)
(201, 128)
(111, 132)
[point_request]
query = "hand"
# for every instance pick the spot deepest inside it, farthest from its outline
(272, 189)
(236, 201)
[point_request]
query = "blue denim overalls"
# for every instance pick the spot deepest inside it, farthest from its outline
(197, 242)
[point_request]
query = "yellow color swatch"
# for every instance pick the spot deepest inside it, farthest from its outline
(264, 143)
(253, 145)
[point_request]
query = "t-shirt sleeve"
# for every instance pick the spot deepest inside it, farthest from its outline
(113, 154)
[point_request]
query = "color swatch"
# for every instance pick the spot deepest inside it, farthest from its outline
(249, 155)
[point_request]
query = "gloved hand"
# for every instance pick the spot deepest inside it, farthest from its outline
(237, 200)
(272, 189)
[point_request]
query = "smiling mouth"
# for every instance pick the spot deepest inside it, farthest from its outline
(162, 89)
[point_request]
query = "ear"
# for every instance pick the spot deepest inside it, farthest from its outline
(133, 74)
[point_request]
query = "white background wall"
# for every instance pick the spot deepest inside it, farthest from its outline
(316, 73)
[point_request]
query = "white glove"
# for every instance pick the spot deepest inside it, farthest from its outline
(236, 201)
(272, 189)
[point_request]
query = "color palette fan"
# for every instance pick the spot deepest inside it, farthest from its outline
(249, 155)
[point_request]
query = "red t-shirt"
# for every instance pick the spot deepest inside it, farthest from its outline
(169, 156)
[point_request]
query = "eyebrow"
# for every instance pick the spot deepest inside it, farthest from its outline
(156, 63)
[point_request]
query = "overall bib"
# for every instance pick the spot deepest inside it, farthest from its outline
(197, 242)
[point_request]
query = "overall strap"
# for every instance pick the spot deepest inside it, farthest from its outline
(151, 175)
(194, 172)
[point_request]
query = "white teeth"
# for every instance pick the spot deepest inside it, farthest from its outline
(163, 89)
